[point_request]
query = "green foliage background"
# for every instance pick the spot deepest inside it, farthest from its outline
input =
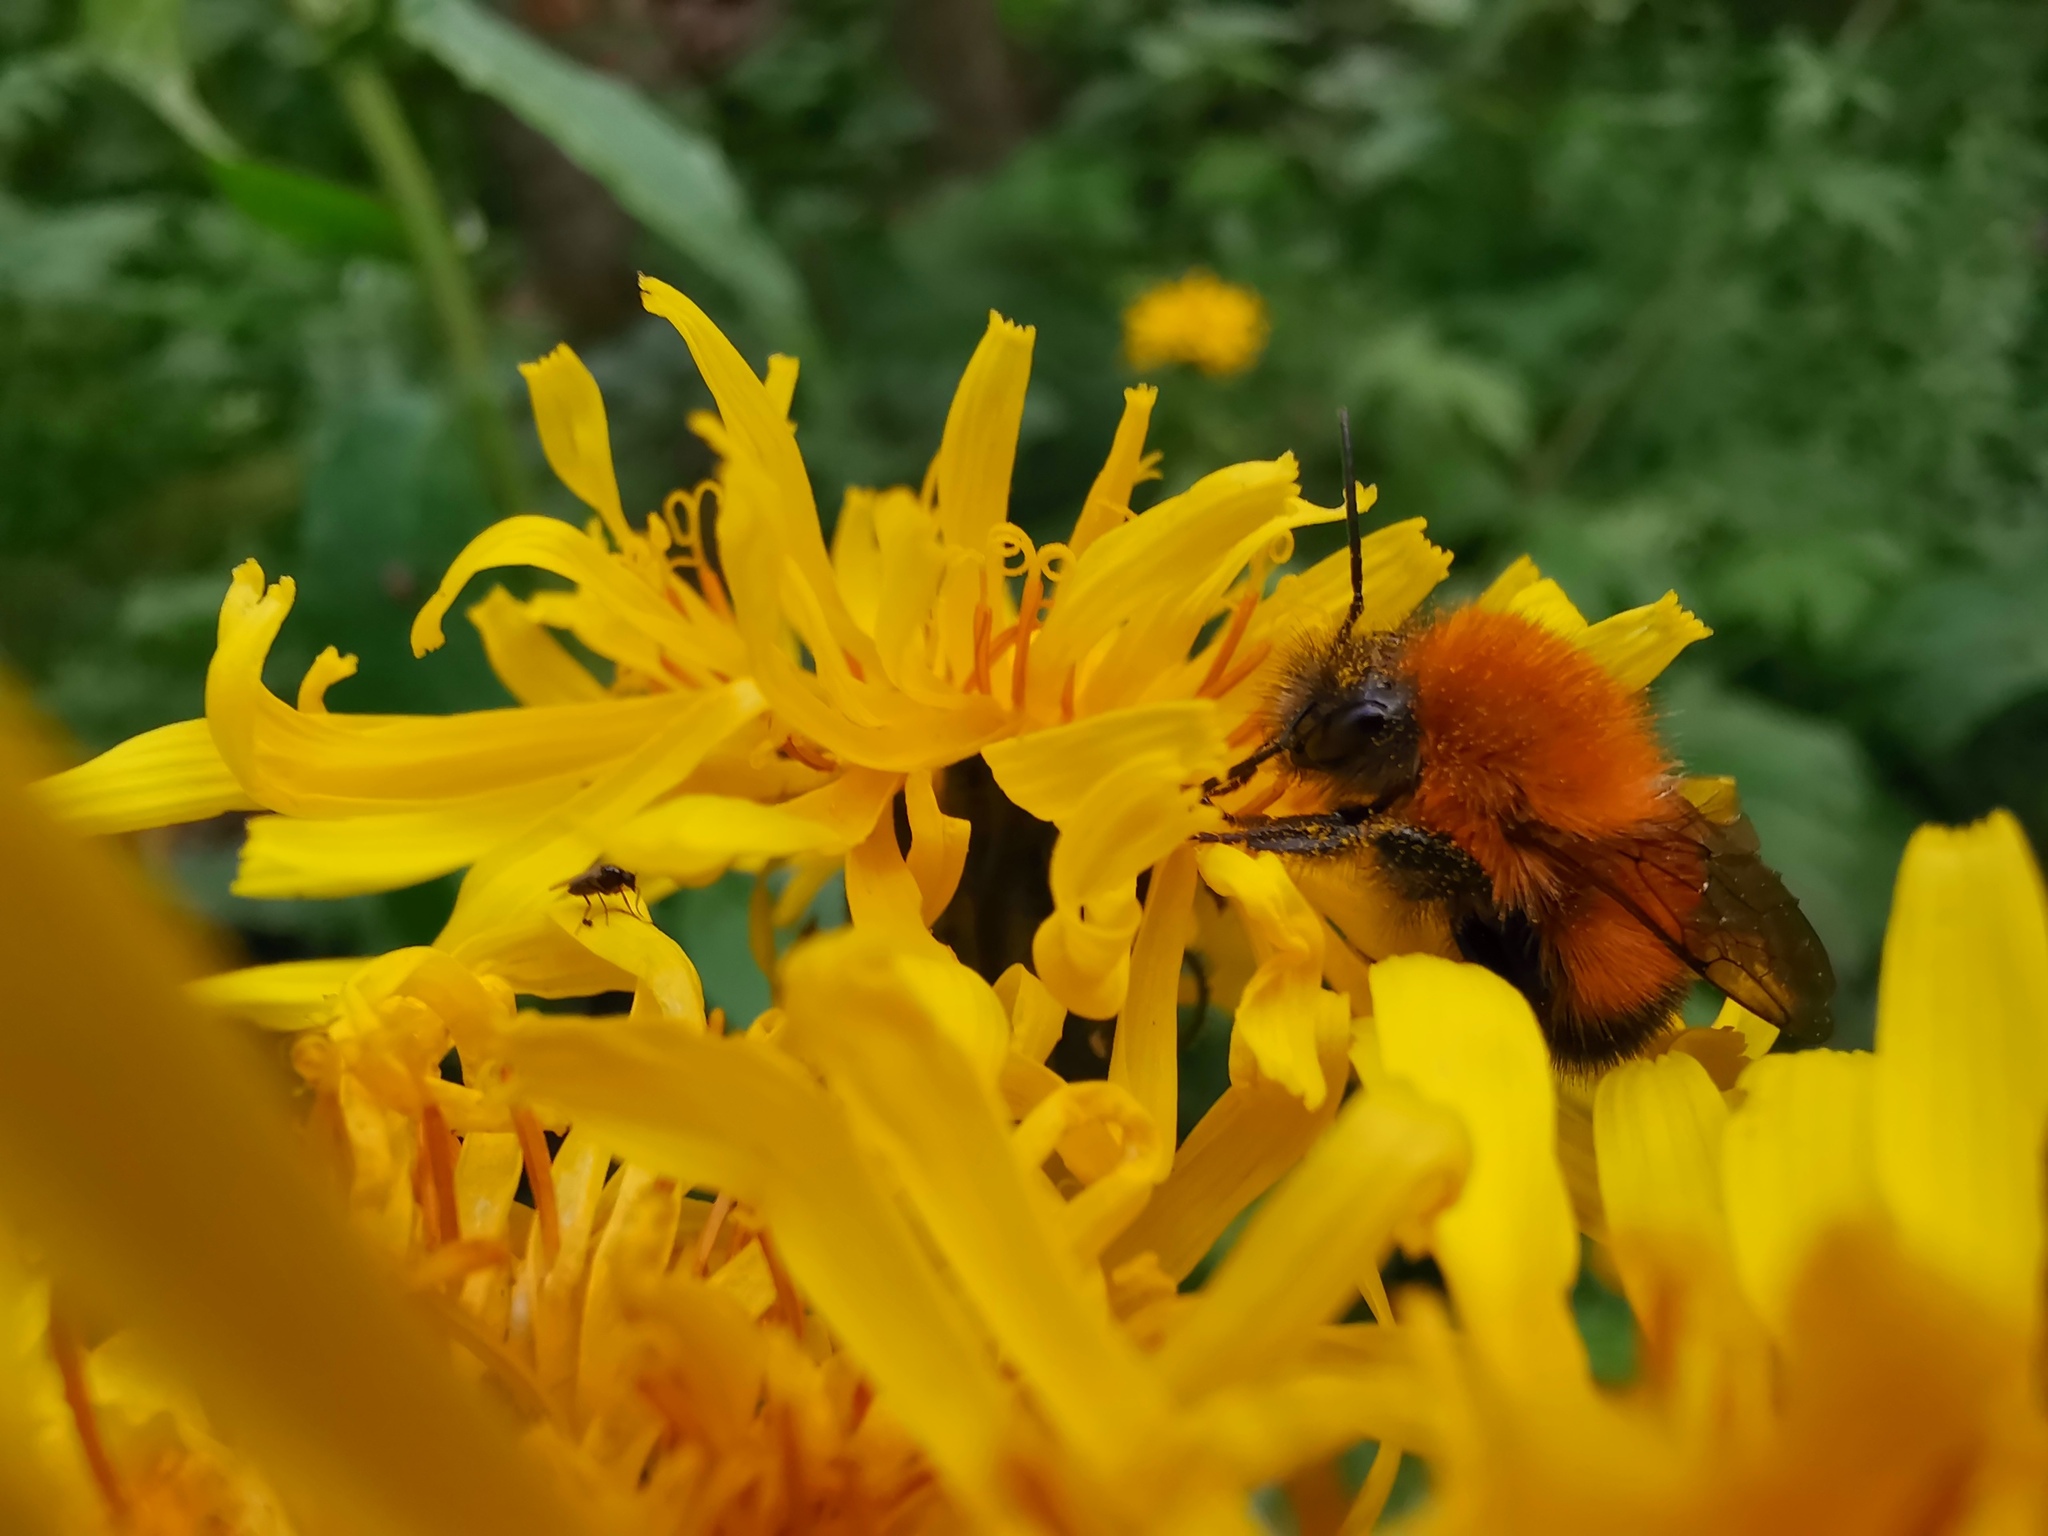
(1738, 298)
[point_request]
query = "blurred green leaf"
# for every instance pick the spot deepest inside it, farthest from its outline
(69, 255)
(141, 43)
(672, 178)
(35, 87)
(319, 214)
(1956, 652)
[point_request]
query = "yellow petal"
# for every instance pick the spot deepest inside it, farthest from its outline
(1389, 1161)
(291, 856)
(727, 1115)
(919, 1096)
(128, 1115)
(1251, 1135)
(692, 838)
(328, 668)
(510, 885)
(938, 845)
(568, 410)
(1132, 589)
(534, 956)
(1466, 1039)
(764, 472)
(1078, 1119)
(1283, 1009)
(866, 720)
(638, 1237)
(912, 564)
(1050, 773)
(1121, 788)
(1639, 644)
(1138, 812)
(1083, 954)
(1109, 498)
(1400, 568)
(1962, 1060)
(1150, 655)
(1145, 1058)
(882, 897)
(45, 1488)
(857, 556)
(979, 446)
(1758, 1035)
(780, 381)
(1657, 1129)
(1522, 589)
(1797, 1162)
(171, 774)
(668, 988)
(528, 659)
(292, 994)
(1036, 1018)
(1260, 1432)
(549, 544)
(333, 764)
(1520, 575)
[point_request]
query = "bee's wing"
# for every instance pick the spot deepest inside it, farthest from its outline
(1744, 933)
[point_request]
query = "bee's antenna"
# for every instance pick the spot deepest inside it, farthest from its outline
(1351, 522)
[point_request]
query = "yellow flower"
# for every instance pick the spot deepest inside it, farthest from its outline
(1199, 320)
(899, 1310)
(1836, 1268)
(768, 708)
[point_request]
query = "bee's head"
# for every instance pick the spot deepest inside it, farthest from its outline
(1360, 732)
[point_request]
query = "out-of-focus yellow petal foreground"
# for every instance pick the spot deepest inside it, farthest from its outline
(379, 1243)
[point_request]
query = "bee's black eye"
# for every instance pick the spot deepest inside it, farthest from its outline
(1365, 737)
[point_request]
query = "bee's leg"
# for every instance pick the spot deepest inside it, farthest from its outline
(1323, 833)
(586, 911)
(1427, 866)
(1240, 774)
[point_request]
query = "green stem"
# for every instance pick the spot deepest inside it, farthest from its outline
(374, 108)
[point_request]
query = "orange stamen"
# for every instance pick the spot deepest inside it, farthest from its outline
(707, 1240)
(668, 1399)
(1027, 623)
(1067, 693)
(1275, 786)
(714, 592)
(1240, 672)
(1248, 730)
(540, 1176)
(458, 1259)
(984, 621)
(438, 1151)
(715, 1021)
(853, 666)
(808, 754)
(786, 1299)
(70, 1358)
(1240, 620)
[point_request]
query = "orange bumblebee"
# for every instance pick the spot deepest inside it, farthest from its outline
(1491, 768)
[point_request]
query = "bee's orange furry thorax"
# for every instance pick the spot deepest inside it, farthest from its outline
(1519, 727)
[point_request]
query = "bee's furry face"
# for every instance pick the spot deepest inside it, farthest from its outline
(1348, 716)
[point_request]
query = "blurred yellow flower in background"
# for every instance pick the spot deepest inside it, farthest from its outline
(1200, 320)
